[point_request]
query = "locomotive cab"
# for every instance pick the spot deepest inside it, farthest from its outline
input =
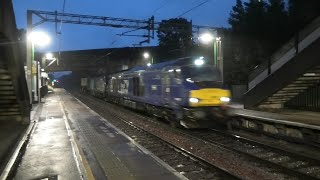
(205, 96)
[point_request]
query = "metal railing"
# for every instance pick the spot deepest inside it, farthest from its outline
(309, 100)
(291, 44)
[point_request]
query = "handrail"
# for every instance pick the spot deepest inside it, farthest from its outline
(285, 48)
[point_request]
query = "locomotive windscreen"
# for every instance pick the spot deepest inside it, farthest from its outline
(203, 73)
(204, 76)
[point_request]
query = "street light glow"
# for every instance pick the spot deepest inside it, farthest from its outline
(49, 56)
(206, 38)
(146, 55)
(39, 38)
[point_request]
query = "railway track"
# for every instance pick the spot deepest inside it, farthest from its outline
(275, 160)
(291, 162)
(181, 160)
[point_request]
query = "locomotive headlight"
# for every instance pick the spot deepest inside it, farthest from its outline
(199, 61)
(193, 100)
(225, 99)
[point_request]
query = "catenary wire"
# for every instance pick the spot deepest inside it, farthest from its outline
(193, 8)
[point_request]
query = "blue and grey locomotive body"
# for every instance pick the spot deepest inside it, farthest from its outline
(185, 91)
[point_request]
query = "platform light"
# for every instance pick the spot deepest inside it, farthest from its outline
(206, 38)
(146, 55)
(42, 69)
(39, 38)
(49, 56)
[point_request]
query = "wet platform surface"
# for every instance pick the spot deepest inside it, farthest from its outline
(49, 153)
(296, 116)
(91, 148)
(10, 134)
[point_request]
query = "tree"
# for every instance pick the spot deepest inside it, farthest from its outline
(255, 21)
(236, 18)
(248, 23)
(261, 27)
(277, 29)
(254, 32)
(302, 12)
(175, 34)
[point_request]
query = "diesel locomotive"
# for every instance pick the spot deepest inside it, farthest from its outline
(187, 92)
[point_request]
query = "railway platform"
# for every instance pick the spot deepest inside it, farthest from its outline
(70, 141)
(283, 115)
(300, 126)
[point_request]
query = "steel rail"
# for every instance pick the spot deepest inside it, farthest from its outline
(205, 137)
(266, 145)
(182, 151)
(267, 163)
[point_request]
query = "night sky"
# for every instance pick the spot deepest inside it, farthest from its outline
(75, 37)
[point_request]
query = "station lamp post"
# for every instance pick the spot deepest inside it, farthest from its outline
(47, 60)
(215, 42)
(34, 39)
(146, 55)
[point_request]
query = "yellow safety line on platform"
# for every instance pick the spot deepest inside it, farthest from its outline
(85, 162)
(77, 148)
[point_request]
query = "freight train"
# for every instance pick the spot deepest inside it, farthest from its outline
(187, 92)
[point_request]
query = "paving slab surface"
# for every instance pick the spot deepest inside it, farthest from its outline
(118, 156)
(49, 153)
(70, 141)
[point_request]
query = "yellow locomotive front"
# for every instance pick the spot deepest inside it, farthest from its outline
(207, 97)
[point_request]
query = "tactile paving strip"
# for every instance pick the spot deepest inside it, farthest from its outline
(111, 165)
(118, 157)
